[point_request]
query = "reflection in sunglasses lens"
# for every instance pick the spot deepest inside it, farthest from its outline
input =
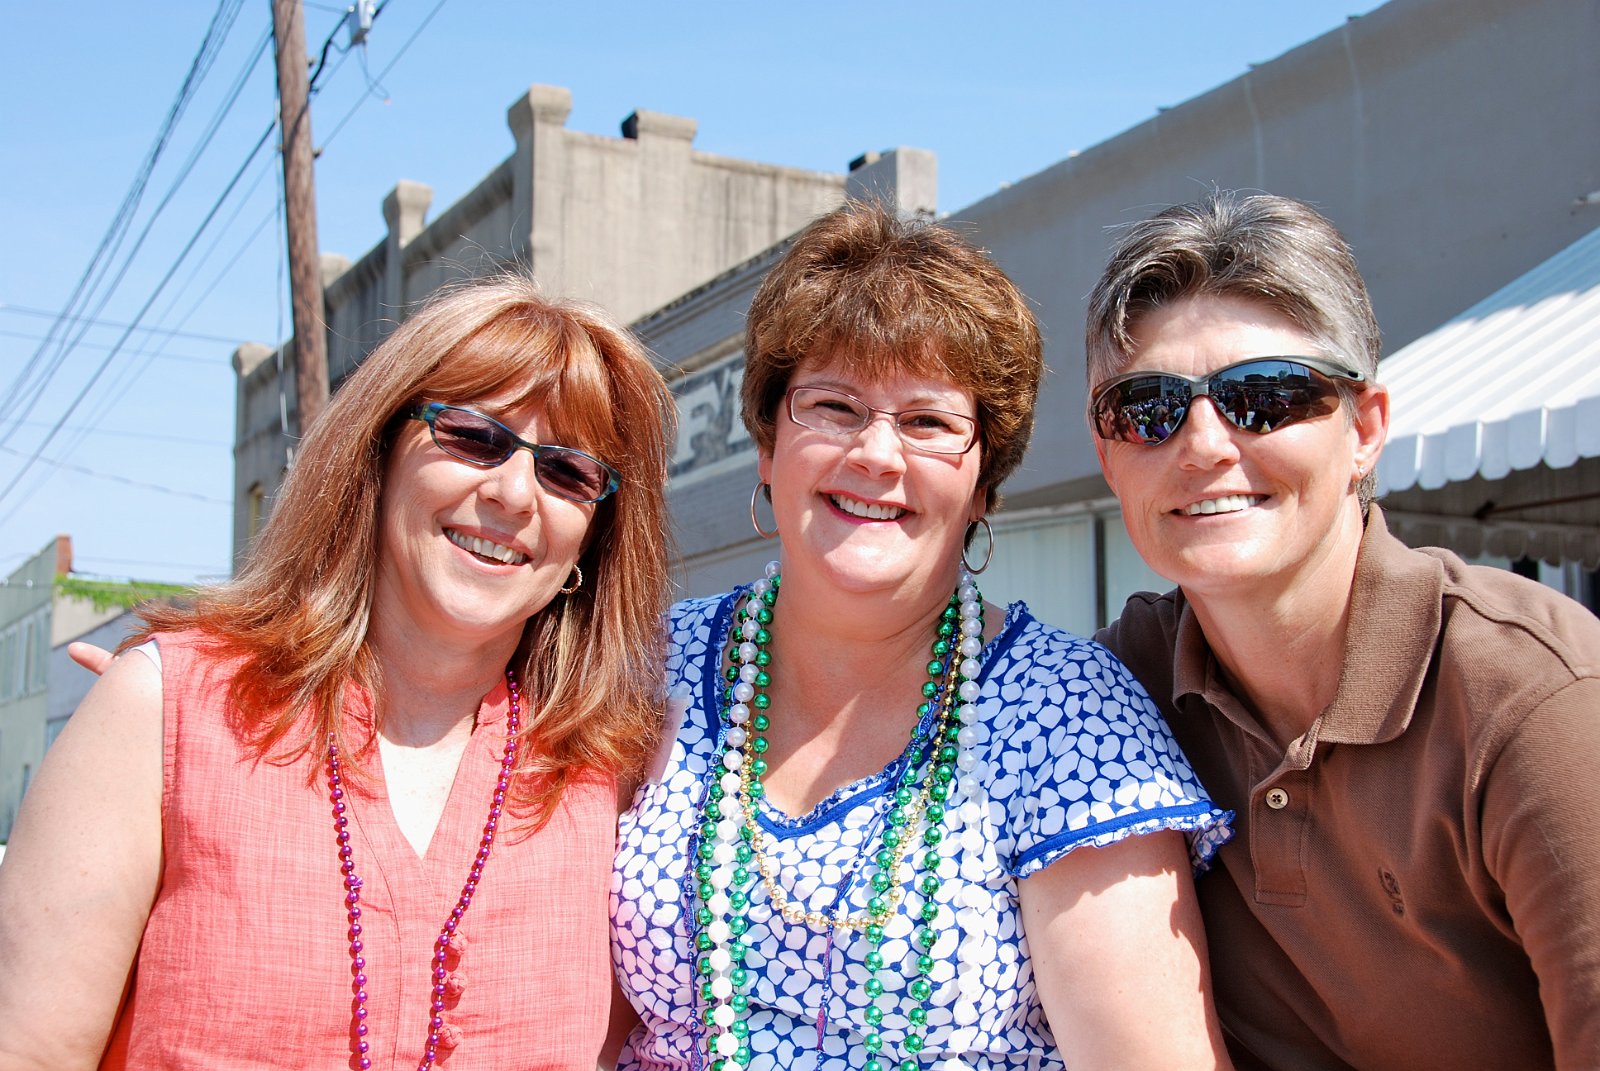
(1254, 396)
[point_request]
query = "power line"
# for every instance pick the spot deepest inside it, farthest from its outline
(151, 436)
(163, 355)
(423, 25)
(38, 452)
(140, 484)
(24, 310)
(166, 278)
(128, 376)
(185, 170)
(221, 22)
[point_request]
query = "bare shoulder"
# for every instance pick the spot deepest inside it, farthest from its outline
(112, 741)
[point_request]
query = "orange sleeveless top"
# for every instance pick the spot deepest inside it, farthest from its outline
(246, 962)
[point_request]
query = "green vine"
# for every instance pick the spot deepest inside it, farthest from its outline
(105, 594)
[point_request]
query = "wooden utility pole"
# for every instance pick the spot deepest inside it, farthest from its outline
(300, 211)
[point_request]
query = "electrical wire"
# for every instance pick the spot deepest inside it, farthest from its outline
(221, 22)
(38, 451)
(165, 279)
(26, 402)
(423, 25)
(160, 355)
(140, 484)
(129, 375)
(147, 436)
(24, 310)
(117, 232)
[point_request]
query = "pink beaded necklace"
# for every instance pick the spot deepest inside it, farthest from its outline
(352, 885)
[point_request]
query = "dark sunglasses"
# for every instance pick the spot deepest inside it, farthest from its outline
(1259, 395)
(483, 441)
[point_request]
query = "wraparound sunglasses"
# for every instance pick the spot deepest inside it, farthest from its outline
(470, 436)
(1258, 395)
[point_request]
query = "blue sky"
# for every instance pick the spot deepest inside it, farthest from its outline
(139, 471)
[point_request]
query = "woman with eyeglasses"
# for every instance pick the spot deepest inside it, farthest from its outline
(356, 807)
(899, 827)
(1409, 742)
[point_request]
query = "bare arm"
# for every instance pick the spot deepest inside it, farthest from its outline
(1119, 955)
(80, 874)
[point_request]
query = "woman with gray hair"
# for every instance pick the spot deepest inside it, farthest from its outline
(1409, 742)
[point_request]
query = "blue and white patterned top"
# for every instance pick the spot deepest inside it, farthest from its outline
(1072, 752)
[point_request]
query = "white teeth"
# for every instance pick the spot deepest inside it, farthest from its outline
(1225, 504)
(485, 549)
(866, 511)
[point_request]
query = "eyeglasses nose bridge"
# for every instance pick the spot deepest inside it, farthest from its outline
(1219, 424)
(527, 478)
(890, 417)
(1199, 388)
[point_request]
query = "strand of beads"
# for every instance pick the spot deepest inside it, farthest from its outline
(939, 773)
(725, 852)
(967, 802)
(727, 846)
(352, 885)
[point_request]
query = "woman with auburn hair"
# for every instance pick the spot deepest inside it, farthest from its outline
(900, 827)
(356, 807)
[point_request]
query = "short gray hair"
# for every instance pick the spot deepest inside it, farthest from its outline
(1273, 251)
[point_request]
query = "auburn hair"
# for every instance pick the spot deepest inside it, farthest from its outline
(296, 615)
(888, 295)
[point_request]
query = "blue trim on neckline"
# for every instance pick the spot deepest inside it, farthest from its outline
(841, 800)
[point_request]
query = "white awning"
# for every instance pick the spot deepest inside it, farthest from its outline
(1510, 384)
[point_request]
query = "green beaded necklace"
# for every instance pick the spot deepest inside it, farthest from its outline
(732, 849)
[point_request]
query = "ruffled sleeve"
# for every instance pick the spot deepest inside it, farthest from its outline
(1077, 753)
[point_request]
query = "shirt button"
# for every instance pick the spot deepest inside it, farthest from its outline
(1277, 799)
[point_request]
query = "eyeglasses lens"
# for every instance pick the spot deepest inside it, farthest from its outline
(932, 430)
(475, 438)
(1254, 396)
(472, 437)
(571, 474)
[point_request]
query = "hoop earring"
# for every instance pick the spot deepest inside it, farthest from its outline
(754, 523)
(988, 557)
(573, 585)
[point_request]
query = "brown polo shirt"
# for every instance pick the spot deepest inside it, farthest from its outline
(1416, 882)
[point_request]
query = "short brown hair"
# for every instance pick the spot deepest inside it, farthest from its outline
(1272, 251)
(897, 295)
(297, 611)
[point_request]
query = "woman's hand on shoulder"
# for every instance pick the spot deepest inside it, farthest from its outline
(80, 874)
(92, 658)
(1119, 956)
